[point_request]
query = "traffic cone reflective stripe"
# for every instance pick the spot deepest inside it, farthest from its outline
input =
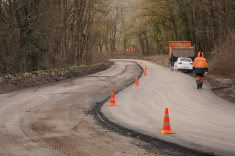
(145, 73)
(166, 128)
(112, 99)
(136, 81)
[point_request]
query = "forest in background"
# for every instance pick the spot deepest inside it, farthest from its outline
(39, 34)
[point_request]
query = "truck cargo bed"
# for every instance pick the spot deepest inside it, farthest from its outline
(183, 52)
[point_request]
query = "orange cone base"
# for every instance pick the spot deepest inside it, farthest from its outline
(136, 84)
(166, 132)
(112, 104)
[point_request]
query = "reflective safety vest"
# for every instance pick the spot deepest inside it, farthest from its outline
(200, 64)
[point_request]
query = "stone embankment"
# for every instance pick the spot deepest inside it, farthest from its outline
(10, 82)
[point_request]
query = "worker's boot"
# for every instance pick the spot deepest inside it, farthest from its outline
(198, 84)
(201, 85)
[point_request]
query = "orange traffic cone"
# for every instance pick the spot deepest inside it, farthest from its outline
(145, 72)
(112, 99)
(145, 67)
(166, 129)
(135, 60)
(136, 81)
(140, 63)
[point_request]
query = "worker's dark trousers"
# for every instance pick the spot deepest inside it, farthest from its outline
(199, 79)
(172, 65)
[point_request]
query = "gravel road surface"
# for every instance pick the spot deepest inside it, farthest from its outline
(65, 119)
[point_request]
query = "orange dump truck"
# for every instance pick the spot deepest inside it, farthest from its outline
(181, 49)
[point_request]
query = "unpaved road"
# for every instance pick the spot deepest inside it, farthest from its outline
(200, 119)
(58, 119)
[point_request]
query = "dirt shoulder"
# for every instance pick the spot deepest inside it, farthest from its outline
(222, 86)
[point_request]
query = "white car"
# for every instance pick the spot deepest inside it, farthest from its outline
(184, 63)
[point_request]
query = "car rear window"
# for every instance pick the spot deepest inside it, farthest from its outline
(186, 59)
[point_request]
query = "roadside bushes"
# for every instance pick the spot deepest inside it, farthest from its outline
(98, 57)
(223, 61)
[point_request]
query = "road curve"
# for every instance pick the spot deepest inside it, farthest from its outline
(53, 121)
(200, 119)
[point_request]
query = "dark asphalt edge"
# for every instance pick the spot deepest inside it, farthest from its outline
(165, 147)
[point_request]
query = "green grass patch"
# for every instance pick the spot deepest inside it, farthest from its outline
(39, 71)
(3, 75)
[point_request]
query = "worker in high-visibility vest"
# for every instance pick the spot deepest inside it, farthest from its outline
(200, 67)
